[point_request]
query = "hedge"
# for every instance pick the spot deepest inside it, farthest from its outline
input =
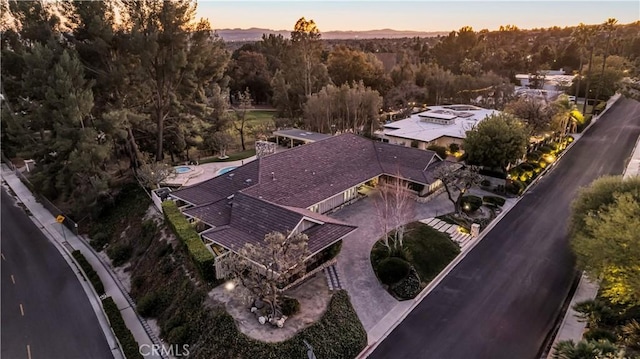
(498, 201)
(202, 257)
(129, 345)
(92, 276)
(584, 124)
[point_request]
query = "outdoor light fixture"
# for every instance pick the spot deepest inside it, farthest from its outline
(229, 285)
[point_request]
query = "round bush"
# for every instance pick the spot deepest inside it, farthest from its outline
(289, 306)
(409, 287)
(532, 157)
(485, 183)
(526, 167)
(392, 270)
(545, 150)
(569, 139)
(471, 203)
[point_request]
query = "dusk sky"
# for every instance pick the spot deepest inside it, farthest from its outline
(413, 15)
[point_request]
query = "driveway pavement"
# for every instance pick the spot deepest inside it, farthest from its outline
(369, 299)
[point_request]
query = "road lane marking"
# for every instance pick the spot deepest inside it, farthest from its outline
(28, 351)
(13, 280)
(21, 309)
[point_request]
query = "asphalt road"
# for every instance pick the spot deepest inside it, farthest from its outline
(502, 299)
(45, 312)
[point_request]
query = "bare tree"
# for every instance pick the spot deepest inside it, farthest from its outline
(152, 173)
(263, 269)
(395, 207)
(457, 180)
(241, 110)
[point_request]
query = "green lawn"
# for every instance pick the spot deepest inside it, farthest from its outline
(258, 117)
(232, 157)
(429, 251)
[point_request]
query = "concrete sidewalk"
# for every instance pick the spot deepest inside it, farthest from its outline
(66, 242)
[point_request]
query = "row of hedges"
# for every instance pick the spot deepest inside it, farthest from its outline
(202, 257)
(89, 271)
(524, 173)
(494, 200)
(129, 345)
(338, 334)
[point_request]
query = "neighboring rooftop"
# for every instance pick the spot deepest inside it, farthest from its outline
(301, 135)
(438, 121)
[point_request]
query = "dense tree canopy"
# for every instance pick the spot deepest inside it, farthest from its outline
(496, 142)
(604, 231)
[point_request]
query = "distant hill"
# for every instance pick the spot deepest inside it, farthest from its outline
(255, 34)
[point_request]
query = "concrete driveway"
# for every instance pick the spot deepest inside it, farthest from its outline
(369, 299)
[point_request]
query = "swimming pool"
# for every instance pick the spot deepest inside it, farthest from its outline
(182, 169)
(226, 169)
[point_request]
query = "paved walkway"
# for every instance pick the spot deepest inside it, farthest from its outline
(66, 242)
(453, 230)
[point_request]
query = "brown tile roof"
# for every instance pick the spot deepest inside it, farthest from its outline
(220, 187)
(214, 214)
(252, 219)
(272, 193)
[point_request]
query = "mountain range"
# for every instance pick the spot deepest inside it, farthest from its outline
(255, 34)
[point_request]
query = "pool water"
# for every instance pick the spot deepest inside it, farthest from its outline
(227, 169)
(182, 169)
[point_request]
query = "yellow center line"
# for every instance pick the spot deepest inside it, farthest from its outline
(21, 309)
(28, 351)
(13, 280)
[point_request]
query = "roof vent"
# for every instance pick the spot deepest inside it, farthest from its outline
(248, 180)
(273, 176)
(231, 175)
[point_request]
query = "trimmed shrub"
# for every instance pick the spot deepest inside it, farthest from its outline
(290, 306)
(392, 270)
(129, 345)
(495, 200)
(119, 253)
(545, 150)
(584, 124)
(600, 334)
(533, 156)
(569, 139)
(89, 271)
(526, 167)
(485, 183)
(408, 287)
(440, 150)
(514, 187)
(454, 147)
(201, 256)
(471, 203)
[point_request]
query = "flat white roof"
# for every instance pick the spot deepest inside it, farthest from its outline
(417, 127)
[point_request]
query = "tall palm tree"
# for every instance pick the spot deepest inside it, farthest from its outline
(609, 26)
(591, 45)
(580, 38)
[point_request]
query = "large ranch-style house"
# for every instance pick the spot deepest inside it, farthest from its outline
(439, 125)
(295, 190)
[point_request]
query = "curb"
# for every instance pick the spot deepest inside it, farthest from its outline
(471, 245)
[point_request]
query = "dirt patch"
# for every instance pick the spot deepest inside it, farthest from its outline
(313, 296)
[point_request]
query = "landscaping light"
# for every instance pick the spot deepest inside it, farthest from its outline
(229, 285)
